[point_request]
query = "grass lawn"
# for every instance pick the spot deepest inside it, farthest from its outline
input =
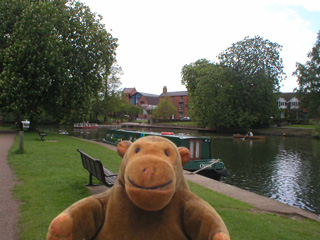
(300, 126)
(8, 128)
(51, 178)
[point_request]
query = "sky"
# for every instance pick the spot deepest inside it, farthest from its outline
(157, 38)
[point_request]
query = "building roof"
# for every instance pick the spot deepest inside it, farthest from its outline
(128, 90)
(174, 94)
(148, 94)
(288, 95)
(152, 99)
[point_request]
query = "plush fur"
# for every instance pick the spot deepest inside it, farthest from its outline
(150, 200)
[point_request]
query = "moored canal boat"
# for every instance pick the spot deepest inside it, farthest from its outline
(200, 149)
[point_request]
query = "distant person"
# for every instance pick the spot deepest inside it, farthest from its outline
(249, 133)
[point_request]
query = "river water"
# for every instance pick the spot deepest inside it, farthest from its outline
(286, 169)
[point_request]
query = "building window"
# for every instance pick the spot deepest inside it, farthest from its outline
(181, 115)
(172, 99)
(180, 106)
(280, 104)
(142, 102)
(181, 98)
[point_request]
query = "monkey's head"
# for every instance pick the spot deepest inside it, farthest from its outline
(151, 171)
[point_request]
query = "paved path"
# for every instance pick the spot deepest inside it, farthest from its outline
(9, 207)
(261, 203)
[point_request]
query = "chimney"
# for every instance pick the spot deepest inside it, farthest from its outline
(165, 89)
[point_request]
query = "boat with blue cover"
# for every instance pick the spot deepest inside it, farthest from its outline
(200, 149)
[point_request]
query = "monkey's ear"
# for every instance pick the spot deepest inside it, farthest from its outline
(185, 154)
(123, 147)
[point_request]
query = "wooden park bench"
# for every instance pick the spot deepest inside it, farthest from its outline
(41, 134)
(96, 169)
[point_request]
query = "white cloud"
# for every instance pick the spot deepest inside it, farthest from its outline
(156, 38)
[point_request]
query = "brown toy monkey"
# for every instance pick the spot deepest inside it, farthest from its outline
(150, 200)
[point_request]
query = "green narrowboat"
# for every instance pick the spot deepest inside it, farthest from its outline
(200, 150)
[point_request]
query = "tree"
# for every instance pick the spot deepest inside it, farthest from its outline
(113, 94)
(121, 108)
(109, 98)
(55, 56)
(132, 110)
(237, 93)
(211, 98)
(255, 56)
(165, 109)
(9, 13)
(309, 80)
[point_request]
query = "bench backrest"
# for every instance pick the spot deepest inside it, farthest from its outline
(94, 166)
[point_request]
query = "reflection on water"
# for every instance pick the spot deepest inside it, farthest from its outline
(289, 179)
(286, 169)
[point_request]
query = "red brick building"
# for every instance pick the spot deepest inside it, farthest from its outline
(150, 101)
(128, 92)
(147, 101)
(140, 99)
(179, 100)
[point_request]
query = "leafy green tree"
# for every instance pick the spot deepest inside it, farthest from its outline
(109, 98)
(9, 12)
(119, 107)
(55, 57)
(132, 111)
(113, 95)
(309, 80)
(239, 92)
(210, 89)
(258, 61)
(255, 56)
(165, 109)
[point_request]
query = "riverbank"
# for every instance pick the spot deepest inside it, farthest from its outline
(272, 131)
(285, 131)
(55, 165)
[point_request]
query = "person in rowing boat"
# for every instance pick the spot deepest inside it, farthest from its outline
(249, 133)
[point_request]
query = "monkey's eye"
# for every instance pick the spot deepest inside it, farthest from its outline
(137, 149)
(166, 153)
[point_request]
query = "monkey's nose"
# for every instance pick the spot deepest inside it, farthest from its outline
(149, 172)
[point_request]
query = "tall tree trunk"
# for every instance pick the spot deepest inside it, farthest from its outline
(33, 123)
